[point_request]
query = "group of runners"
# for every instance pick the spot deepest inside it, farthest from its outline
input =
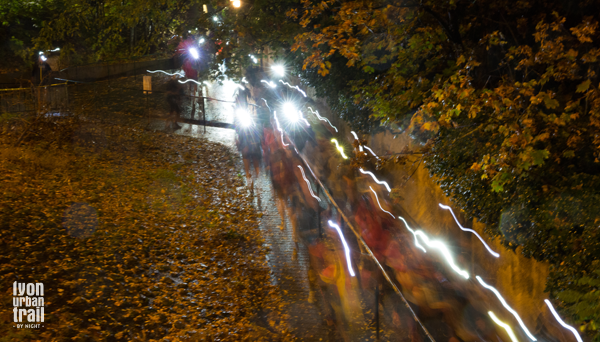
(459, 310)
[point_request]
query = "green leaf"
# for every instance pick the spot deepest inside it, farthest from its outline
(538, 156)
(583, 86)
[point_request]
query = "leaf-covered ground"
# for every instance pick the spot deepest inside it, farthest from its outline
(136, 235)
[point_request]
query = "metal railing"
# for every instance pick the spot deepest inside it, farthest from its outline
(359, 242)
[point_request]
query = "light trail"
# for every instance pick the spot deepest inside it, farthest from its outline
(506, 327)
(295, 87)
(279, 128)
(189, 80)
(266, 103)
(322, 118)
(166, 73)
(346, 249)
(375, 179)
(470, 231)
(356, 138)
(437, 245)
(414, 234)
(573, 330)
(370, 150)
(507, 307)
(308, 184)
(302, 118)
(269, 83)
(377, 198)
(340, 148)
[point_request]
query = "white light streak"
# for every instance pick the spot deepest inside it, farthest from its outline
(206, 83)
(308, 184)
(377, 198)
(41, 53)
(505, 326)
(201, 41)
(356, 138)
(43, 58)
(189, 80)
(279, 128)
(573, 330)
(437, 245)
(269, 83)
(302, 118)
(293, 87)
(179, 73)
(370, 150)
(322, 118)
(470, 231)
(278, 69)
(414, 234)
(346, 249)
(340, 148)
(507, 307)
(57, 49)
(375, 179)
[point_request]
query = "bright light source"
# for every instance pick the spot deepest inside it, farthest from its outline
(43, 58)
(215, 18)
(57, 49)
(339, 148)
(278, 69)
(201, 41)
(291, 112)
(244, 118)
(41, 53)
(236, 4)
(194, 53)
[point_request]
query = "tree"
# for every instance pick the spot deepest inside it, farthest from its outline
(507, 93)
(20, 22)
(89, 30)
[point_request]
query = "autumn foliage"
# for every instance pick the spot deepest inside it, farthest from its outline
(504, 97)
(136, 235)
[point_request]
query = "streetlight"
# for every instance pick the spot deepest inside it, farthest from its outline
(236, 3)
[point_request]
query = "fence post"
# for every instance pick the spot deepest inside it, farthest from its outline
(377, 311)
(319, 213)
(204, 114)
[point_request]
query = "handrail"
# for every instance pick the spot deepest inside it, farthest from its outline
(359, 238)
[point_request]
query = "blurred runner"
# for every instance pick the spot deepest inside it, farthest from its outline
(175, 93)
(188, 50)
